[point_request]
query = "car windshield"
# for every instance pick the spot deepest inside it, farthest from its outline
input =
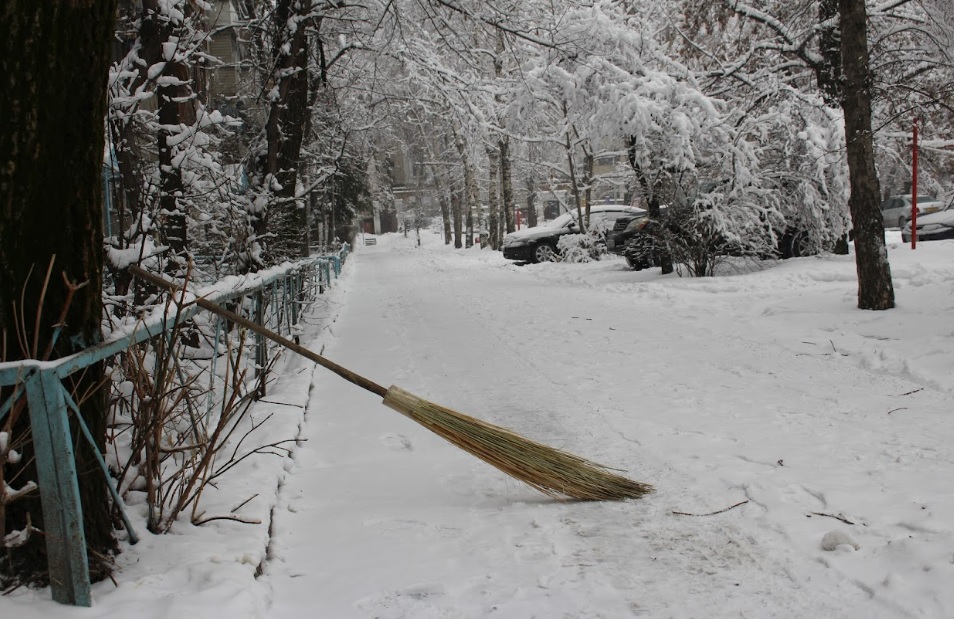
(561, 221)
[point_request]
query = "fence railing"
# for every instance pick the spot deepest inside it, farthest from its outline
(275, 298)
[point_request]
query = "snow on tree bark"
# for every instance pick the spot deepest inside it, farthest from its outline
(275, 213)
(176, 103)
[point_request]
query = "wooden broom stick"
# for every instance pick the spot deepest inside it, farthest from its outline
(552, 471)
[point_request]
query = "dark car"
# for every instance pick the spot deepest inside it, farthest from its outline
(539, 244)
(625, 230)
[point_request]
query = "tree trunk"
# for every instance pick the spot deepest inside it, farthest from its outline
(829, 71)
(176, 105)
(531, 185)
(456, 213)
(445, 208)
(273, 211)
(574, 186)
(588, 161)
(285, 128)
(54, 53)
(506, 183)
(651, 198)
(493, 225)
(128, 160)
(875, 290)
(471, 198)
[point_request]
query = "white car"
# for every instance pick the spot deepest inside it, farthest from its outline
(539, 244)
(896, 210)
(932, 227)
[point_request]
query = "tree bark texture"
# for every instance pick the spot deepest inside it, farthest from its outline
(493, 220)
(531, 200)
(285, 128)
(651, 198)
(470, 190)
(445, 208)
(444, 193)
(506, 184)
(54, 56)
(458, 218)
(176, 106)
(588, 162)
(574, 185)
(875, 290)
(829, 72)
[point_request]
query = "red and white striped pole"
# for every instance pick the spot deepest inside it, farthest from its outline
(914, 189)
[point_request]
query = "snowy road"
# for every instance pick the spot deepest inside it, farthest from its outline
(717, 392)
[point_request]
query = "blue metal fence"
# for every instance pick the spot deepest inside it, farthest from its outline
(278, 297)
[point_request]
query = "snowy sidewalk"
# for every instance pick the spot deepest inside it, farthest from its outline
(380, 519)
(765, 392)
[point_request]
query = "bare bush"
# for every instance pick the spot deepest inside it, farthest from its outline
(180, 418)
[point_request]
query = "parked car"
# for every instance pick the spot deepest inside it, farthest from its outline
(896, 210)
(539, 244)
(933, 226)
(624, 230)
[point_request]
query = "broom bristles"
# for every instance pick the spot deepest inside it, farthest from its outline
(549, 470)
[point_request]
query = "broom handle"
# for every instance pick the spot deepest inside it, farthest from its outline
(344, 373)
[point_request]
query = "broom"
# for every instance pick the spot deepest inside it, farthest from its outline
(554, 472)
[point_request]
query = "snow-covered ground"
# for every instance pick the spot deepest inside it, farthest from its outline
(828, 432)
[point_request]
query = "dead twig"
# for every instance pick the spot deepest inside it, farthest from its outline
(39, 309)
(835, 516)
(71, 289)
(280, 403)
(244, 503)
(843, 354)
(900, 408)
(712, 513)
(232, 518)
(911, 392)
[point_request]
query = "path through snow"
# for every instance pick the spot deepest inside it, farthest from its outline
(717, 391)
(825, 427)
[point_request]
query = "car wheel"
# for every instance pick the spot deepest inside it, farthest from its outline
(544, 252)
(901, 222)
(800, 245)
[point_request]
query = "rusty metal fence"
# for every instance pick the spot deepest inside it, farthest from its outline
(275, 298)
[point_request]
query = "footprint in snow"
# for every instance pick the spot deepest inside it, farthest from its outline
(396, 442)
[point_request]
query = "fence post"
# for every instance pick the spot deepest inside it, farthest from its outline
(59, 489)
